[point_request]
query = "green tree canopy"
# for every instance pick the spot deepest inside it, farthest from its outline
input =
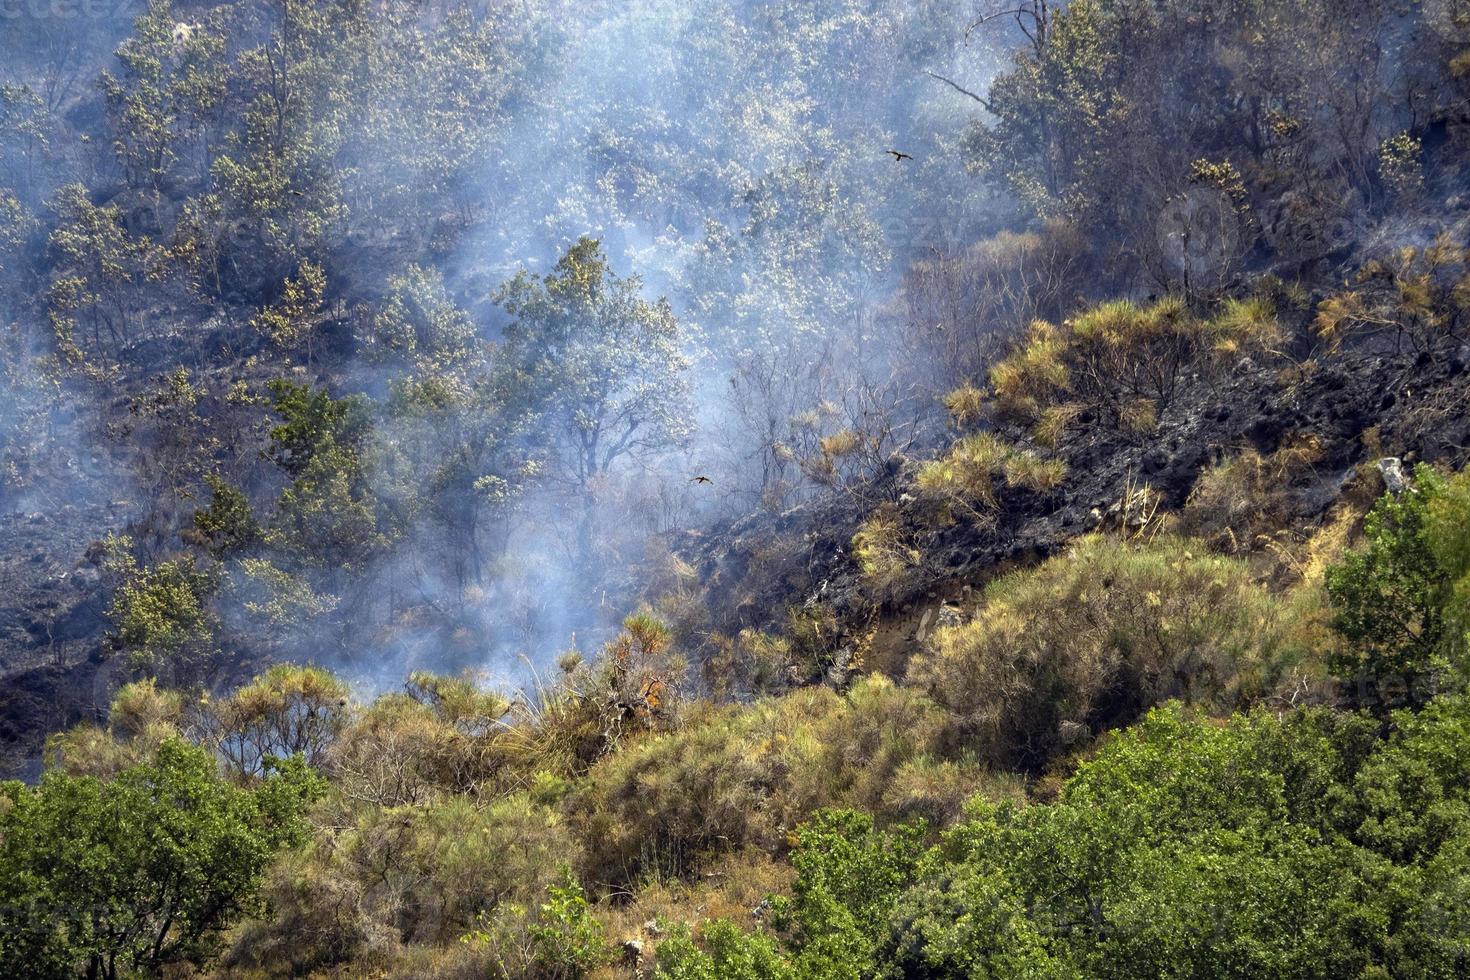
(109, 879)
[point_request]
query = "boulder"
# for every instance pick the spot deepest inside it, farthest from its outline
(1391, 468)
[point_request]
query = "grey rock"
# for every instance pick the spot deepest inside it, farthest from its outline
(841, 670)
(1072, 732)
(1391, 468)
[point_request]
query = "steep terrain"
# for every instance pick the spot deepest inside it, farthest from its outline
(756, 489)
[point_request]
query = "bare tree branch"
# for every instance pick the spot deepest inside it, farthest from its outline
(962, 90)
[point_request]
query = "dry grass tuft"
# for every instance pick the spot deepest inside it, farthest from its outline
(1053, 423)
(1028, 470)
(966, 405)
(883, 548)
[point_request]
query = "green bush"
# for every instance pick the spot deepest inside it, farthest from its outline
(1123, 361)
(389, 878)
(162, 616)
(289, 710)
(106, 878)
(1092, 638)
(748, 776)
(1401, 599)
(1295, 845)
(559, 941)
(728, 954)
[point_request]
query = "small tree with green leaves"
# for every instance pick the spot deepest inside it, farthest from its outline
(561, 940)
(292, 320)
(228, 525)
(1391, 597)
(420, 320)
(98, 269)
(162, 616)
(598, 365)
(122, 878)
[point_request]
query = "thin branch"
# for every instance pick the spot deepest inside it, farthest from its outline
(996, 15)
(962, 90)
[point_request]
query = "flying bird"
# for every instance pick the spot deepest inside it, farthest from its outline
(899, 157)
(702, 479)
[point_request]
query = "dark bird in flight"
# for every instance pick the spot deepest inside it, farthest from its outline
(899, 157)
(702, 479)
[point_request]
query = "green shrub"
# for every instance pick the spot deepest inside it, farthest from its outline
(419, 320)
(967, 472)
(748, 776)
(752, 662)
(1092, 638)
(289, 710)
(1031, 472)
(1195, 848)
(161, 616)
(1033, 374)
(1409, 294)
(1399, 600)
(1122, 361)
(141, 719)
(139, 872)
(966, 405)
(881, 548)
(1243, 325)
(559, 941)
(1285, 845)
(228, 524)
(728, 954)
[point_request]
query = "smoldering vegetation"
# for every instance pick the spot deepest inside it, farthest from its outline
(203, 197)
(734, 488)
(441, 335)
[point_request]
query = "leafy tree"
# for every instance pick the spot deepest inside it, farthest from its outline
(26, 133)
(111, 879)
(1090, 123)
(97, 270)
(162, 616)
(273, 603)
(168, 88)
(32, 387)
(312, 423)
(1392, 596)
(173, 429)
(457, 454)
(292, 320)
(420, 320)
(16, 227)
(228, 525)
(327, 517)
(275, 176)
(600, 368)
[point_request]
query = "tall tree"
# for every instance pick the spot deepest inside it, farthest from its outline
(599, 366)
